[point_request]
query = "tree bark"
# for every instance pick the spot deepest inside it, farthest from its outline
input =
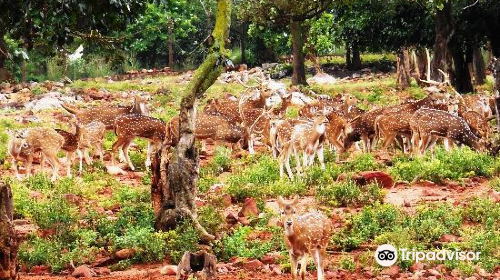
(243, 42)
(348, 60)
(174, 182)
(3, 51)
(441, 51)
(170, 28)
(479, 66)
(8, 238)
(356, 58)
(403, 68)
(461, 78)
(299, 65)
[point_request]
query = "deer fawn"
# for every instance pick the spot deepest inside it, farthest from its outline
(92, 135)
(307, 138)
(306, 234)
(32, 140)
(71, 146)
(128, 127)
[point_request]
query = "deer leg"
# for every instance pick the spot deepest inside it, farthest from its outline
(318, 262)
(388, 139)
(126, 146)
(373, 143)
(151, 146)
(287, 153)
(117, 145)
(121, 156)
(294, 263)
(16, 171)
(86, 156)
(303, 266)
(80, 162)
(70, 156)
(29, 162)
(250, 144)
(55, 166)
(321, 157)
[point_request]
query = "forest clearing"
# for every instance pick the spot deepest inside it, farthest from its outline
(312, 152)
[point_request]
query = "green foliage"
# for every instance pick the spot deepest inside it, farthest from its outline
(348, 193)
(432, 221)
(240, 245)
(148, 245)
(362, 162)
(211, 219)
(221, 162)
(456, 164)
(480, 210)
(347, 263)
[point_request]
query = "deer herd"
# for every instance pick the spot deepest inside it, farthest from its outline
(414, 126)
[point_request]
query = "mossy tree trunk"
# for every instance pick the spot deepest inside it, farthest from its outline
(8, 239)
(176, 174)
(403, 68)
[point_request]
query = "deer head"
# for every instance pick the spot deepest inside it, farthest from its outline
(288, 213)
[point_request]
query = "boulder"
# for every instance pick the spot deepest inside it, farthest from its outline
(249, 208)
(83, 271)
(367, 177)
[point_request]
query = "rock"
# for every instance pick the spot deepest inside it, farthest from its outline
(217, 188)
(455, 272)
(83, 271)
(102, 271)
(249, 208)
(244, 221)
(392, 271)
(169, 270)
(39, 269)
(199, 202)
(276, 270)
(36, 195)
(125, 254)
(381, 178)
(226, 200)
(115, 170)
(322, 79)
(231, 219)
(271, 258)
(432, 272)
(252, 265)
(449, 238)
(71, 198)
(416, 266)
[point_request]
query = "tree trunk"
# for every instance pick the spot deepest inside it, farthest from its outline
(479, 66)
(356, 58)
(299, 64)
(8, 239)
(243, 42)
(348, 59)
(414, 66)
(170, 28)
(443, 30)
(3, 51)
(175, 174)
(461, 78)
(403, 68)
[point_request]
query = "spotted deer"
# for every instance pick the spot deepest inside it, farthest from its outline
(72, 146)
(214, 127)
(108, 114)
(32, 140)
(128, 127)
(428, 125)
(476, 102)
(306, 234)
(396, 121)
(323, 106)
(337, 127)
(91, 136)
(307, 138)
(281, 132)
(478, 124)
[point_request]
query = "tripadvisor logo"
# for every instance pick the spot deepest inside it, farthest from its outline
(387, 255)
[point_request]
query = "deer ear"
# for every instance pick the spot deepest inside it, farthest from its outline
(281, 201)
(295, 200)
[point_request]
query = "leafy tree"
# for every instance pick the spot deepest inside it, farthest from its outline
(290, 13)
(166, 28)
(54, 23)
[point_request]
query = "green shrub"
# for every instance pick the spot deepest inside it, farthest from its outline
(239, 245)
(347, 263)
(149, 246)
(362, 162)
(432, 221)
(456, 164)
(183, 238)
(348, 193)
(316, 176)
(479, 210)
(211, 219)
(370, 222)
(221, 162)
(55, 214)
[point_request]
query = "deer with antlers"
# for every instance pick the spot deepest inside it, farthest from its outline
(306, 234)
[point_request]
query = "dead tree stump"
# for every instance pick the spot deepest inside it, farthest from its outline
(201, 264)
(8, 238)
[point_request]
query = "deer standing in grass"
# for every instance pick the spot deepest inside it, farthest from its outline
(309, 139)
(33, 140)
(306, 234)
(128, 127)
(428, 125)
